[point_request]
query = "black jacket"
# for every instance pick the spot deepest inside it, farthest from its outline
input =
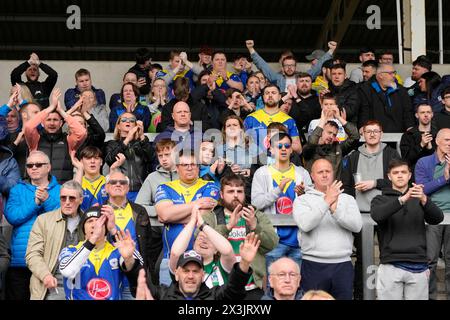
(442, 120)
(142, 73)
(215, 106)
(347, 97)
(401, 229)
(303, 111)
(95, 137)
(410, 145)
(350, 166)
(40, 90)
(392, 108)
(233, 290)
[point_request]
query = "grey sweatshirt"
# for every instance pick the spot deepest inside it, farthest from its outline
(325, 237)
(146, 195)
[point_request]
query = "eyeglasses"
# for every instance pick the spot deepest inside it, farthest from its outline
(65, 198)
(131, 120)
(370, 132)
(37, 165)
(284, 275)
(446, 97)
(392, 73)
(286, 145)
(288, 65)
(121, 182)
(187, 165)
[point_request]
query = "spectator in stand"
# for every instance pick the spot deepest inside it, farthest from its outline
(204, 62)
(39, 89)
(27, 200)
(51, 232)
(177, 69)
(237, 105)
(387, 57)
(130, 104)
(52, 140)
(263, 82)
(211, 167)
(433, 172)
(421, 65)
(431, 86)
(83, 83)
(442, 119)
(141, 69)
(326, 219)
(166, 171)
(252, 92)
(403, 271)
(285, 103)
(99, 112)
(154, 71)
(420, 140)
(235, 219)
(284, 280)
(4, 263)
(289, 66)
(242, 67)
(383, 100)
(315, 56)
(365, 54)
(369, 69)
(116, 99)
(224, 79)
(215, 250)
(157, 100)
(137, 153)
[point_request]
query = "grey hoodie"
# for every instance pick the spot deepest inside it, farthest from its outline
(325, 237)
(146, 195)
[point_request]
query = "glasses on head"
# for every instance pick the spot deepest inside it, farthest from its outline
(284, 275)
(125, 119)
(37, 165)
(372, 131)
(65, 198)
(187, 165)
(121, 182)
(285, 145)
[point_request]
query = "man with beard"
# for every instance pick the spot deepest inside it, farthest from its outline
(420, 66)
(258, 121)
(235, 219)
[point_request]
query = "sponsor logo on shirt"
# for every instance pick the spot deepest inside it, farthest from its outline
(99, 289)
(284, 205)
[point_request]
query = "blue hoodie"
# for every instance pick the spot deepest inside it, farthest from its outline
(21, 212)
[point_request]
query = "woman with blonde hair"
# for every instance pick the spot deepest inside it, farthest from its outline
(317, 295)
(156, 100)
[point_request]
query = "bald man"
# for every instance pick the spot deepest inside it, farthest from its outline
(284, 278)
(434, 173)
(327, 218)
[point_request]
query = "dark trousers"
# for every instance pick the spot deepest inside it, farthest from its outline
(155, 253)
(255, 294)
(358, 293)
(17, 283)
(334, 278)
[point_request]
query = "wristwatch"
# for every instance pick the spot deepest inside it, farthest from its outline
(401, 201)
(202, 226)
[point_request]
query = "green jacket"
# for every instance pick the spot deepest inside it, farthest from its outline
(265, 231)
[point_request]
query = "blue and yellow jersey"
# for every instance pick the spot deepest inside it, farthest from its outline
(285, 203)
(178, 193)
(100, 277)
(125, 221)
(94, 192)
(222, 85)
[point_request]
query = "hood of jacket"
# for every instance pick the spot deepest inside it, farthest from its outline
(362, 149)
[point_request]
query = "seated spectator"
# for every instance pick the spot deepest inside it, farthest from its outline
(52, 140)
(141, 69)
(83, 83)
(204, 62)
(157, 99)
(263, 82)
(224, 79)
(215, 250)
(242, 67)
(369, 69)
(326, 219)
(154, 70)
(421, 65)
(40, 90)
(95, 262)
(176, 69)
(382, 100)
(403, 273)
(130, 141)
(387, 57)
(365, 54)
(52, 232)
(252, 92)
(431, 86)
(27, 200)
(420, 140)
(116, 99)
(236, 105)
(285, 103)
(442, 119)
(99, 112)
(284, 279)
(211, 167)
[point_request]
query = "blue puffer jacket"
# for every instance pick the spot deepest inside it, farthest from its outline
(21, 212)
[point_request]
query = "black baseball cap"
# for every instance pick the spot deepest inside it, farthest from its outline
(190, 256)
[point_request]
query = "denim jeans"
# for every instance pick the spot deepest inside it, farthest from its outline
(282, 250)
(164, 273)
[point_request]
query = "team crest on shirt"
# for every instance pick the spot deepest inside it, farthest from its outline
(213, 193)
(114, 263)
(284, 205)
(99, 289)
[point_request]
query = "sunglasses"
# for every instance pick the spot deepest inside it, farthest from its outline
(65, 198)
(131, 120)
(37, 165)
(121, 182)
(286, 145)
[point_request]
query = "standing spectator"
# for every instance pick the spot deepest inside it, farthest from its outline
(326, 218)
(175, 200)
(137, 153)
(387, 57)
(204, 62)
(383, 100)
(433, 172)
(51, 140)
(27, 200)
(442, 119)
(99, 112)
(274, 189)
(236, 220)
(284, 279)
(4, 263)
(177, 69)
(141, 69)
(421, 65)
(52, 232)
(369, 69)
(236, 105)
(156, 101)
(365, 54)
(224, 79)
(420, 140)
(252, 92)
(39, 89)
(83, 83)
(403, 270)
(166, 171)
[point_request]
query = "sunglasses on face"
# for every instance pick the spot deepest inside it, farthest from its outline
(65, 198)
(286, 145)
(131, 120)
(37, 165)
(121, 182)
